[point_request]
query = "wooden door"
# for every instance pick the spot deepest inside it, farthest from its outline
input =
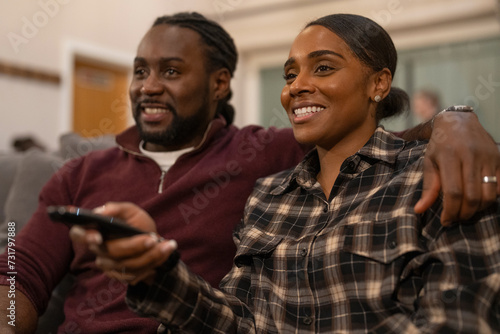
(100, 98)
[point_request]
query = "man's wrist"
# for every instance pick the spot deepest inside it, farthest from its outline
(456, 108)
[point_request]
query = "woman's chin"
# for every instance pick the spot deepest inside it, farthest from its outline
(304, 137)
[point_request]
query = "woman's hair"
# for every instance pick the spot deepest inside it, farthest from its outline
(373, 46)
(221, 51)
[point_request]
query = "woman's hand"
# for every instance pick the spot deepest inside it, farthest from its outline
(132, 259)
(460, 153)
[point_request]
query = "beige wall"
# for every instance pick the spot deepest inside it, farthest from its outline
(43, 34)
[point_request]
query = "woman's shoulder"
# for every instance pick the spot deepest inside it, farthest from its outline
(413, 152)
(271, 182)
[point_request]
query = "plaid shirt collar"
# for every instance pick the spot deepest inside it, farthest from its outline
(382, 146)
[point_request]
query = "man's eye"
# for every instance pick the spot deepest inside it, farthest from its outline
(139, 71)
(171, 71)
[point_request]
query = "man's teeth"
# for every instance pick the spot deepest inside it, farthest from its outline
(155, 110)
(300, 112)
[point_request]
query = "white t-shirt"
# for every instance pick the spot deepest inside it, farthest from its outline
(164, 159)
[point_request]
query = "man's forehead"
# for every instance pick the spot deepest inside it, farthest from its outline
(165, 60)
(169, 33)
(169, 41)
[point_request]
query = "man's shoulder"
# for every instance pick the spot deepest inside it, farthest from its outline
(257, 130)
(99, 158)
(104, 154)
(276, 140)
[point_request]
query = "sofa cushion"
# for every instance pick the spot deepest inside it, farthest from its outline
(8, 167)
(34, 170)
(72, 145)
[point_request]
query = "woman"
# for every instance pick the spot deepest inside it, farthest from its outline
(334, 244)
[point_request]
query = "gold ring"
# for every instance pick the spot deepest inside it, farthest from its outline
(489, 179)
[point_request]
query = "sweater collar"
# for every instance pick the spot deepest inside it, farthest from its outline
(130, 140)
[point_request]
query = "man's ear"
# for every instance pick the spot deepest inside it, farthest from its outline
(382, 83)
(221, 83)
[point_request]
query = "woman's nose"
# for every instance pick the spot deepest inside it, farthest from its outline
(301, 84)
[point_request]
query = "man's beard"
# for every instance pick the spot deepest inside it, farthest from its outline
(180, 132)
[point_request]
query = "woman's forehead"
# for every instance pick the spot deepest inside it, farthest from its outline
(317, 38)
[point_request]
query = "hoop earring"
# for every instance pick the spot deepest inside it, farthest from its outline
(377, 98)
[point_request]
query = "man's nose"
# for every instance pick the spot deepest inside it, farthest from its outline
(151, 85)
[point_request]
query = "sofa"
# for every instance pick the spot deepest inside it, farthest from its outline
(22, 176)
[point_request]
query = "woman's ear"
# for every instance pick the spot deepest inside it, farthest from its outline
(382, 83)
(221, 83)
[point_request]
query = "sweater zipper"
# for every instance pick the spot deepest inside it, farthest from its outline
(162, 176)
(160, 187)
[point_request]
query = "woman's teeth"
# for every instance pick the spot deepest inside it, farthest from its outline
(300, 112)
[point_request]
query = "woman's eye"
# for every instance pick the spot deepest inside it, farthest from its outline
(323, 68)
(289, 76)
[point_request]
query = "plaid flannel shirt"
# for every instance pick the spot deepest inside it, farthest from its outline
(360, 261)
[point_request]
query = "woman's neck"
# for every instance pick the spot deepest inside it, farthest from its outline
(331, 160)
(330, 164)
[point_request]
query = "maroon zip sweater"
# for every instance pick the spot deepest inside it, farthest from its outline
(197, 203)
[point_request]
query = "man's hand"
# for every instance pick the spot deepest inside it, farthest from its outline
(130, 260)
(460, 153)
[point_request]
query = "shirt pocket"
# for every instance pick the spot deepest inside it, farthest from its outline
(384, 241)
(261, 246)
(376, 259)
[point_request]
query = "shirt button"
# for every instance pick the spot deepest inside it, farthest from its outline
(449, 296)
(351, 165)
(307, 321)
(325, 209)
(393, 244)
(303, 252)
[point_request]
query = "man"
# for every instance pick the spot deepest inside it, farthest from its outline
(183, 162)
